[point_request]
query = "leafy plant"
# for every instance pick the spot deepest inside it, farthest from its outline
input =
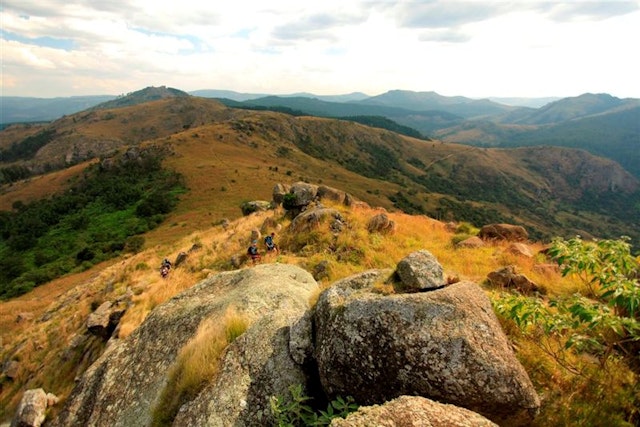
(295, 411)
(600, 323)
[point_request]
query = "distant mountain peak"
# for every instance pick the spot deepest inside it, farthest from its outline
(150, 93)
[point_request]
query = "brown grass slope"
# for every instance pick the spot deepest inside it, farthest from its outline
(231, 155)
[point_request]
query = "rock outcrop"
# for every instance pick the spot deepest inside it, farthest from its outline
(311, 218)
(298, 196)
(420, 271)
(105, 319)
(124, 386)
(446, 345)
(510, 232)
(254, 206)
(413, 411)
(381, 223)
(279, 191)
(508, 278)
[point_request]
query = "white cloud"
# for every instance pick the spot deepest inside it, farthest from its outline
(471, 48)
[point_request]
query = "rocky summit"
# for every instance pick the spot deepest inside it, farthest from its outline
(444, 347)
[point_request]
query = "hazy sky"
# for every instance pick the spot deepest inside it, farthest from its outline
(469, 48)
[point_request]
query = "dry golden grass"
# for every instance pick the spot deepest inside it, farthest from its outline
(198, 363)
(39, 187)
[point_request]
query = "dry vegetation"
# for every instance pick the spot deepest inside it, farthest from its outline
(44, 343)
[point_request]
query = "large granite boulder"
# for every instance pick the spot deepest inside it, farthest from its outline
(303, 194)
(330, 193)
(311, 219)
(413, 411)
(124, 386)
(279, 191)
(446, 345)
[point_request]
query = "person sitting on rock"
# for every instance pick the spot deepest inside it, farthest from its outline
(253, 252)
(270, 244)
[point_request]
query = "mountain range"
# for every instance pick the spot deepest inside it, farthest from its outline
(599, 123)
(554, 191)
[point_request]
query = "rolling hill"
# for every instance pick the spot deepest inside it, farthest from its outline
(563, 192)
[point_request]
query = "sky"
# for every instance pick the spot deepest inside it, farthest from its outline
(477, 49)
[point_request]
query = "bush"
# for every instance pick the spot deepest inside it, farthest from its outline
(134, 244)
(289, 201)
(601, 324)
(294, 411)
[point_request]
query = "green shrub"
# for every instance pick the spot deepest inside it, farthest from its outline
(294, 411)
(134, 244)
(599, 325)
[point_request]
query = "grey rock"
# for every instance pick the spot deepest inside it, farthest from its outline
(31, 411)
(11, 369)
(254, 206)
(279, 191)
(420, 271)
(330, 193)
(446, 345)
(472, 242)
(105, 319)
(413, 411)
(300, 339)
(520, 249)
(508, 278)
(180, 258)
(311, 218)
(303, 193)
(124, 385)
(381, 223)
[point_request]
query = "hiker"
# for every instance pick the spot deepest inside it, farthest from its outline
(253, 252)
(270, 244)
(165, 266)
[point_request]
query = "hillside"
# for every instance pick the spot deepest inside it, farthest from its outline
(53, 347)
(612, 134)
(439, 179)
(599, 123)
(579, 107)
(429, 101)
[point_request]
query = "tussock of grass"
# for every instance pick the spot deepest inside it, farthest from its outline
(197, 364)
